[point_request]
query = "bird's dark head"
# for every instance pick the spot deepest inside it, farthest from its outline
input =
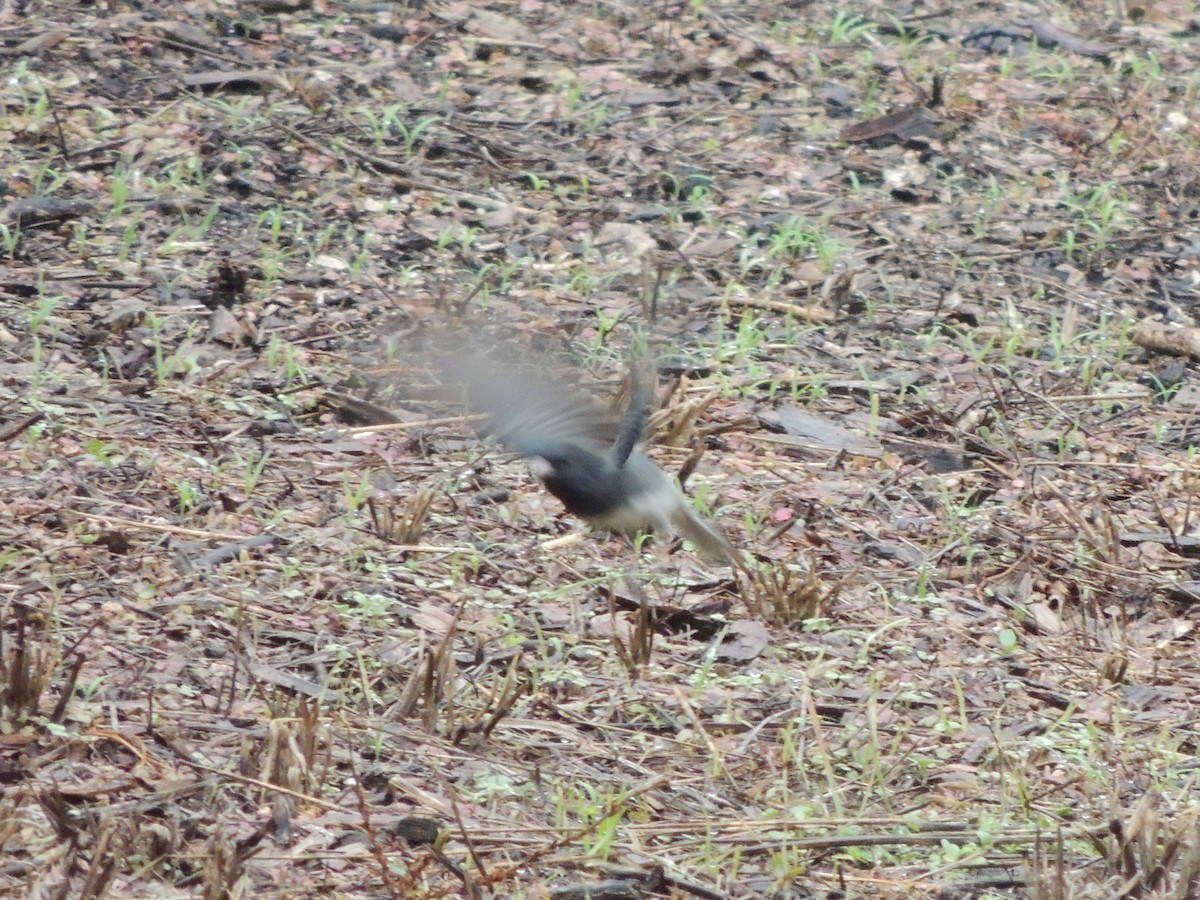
(587, 482)
(568, 469)
(553, 464)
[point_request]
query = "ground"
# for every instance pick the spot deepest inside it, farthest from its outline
(921, 285)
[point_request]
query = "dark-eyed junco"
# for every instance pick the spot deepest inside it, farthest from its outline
(586, 457)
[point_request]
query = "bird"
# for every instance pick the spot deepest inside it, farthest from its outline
(587, 458)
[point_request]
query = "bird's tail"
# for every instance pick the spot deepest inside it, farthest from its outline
(706, 536)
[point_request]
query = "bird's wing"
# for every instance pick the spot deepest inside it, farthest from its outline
(637, 414)
(529, 414)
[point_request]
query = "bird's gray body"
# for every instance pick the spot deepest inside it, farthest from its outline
(587, 458)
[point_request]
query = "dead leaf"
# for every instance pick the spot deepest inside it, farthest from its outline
(433, 618)
(745, 639)
(243, 82)
(901, 125)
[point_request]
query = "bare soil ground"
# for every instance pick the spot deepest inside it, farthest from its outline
(922, 283)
